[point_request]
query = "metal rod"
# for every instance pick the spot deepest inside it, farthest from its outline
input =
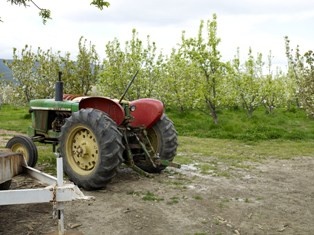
(127, 88)
(60, 208)
(59, 171)
(60, 205)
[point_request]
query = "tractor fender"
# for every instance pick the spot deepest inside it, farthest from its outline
(146, 112)
(110, 107)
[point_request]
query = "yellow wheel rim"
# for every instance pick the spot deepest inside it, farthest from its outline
(82, 150)
(19, 148)
(153, 138)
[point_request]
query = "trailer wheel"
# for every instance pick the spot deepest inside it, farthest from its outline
(25, 145)
(91, 147)
(6, 185)
(163, 138)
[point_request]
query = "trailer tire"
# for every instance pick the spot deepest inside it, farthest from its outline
(25, 145)
(91, 147)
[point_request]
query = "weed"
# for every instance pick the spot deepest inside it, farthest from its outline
(173, 200)
(198, 197)
(149, 196)
(134, 193)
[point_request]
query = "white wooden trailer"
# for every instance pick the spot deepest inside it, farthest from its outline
(56, 191)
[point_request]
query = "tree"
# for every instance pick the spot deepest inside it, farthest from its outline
(34, 74)
(206, 56)
(248, 81)
(178, 88)
(45, 14)
(87, 67)
(301, 69)
(272, 89)
(121, 64)
(81, 75)
(114, 73)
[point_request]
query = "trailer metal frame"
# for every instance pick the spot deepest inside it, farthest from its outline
(57, 192)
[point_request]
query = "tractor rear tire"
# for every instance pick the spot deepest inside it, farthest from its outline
(25, 145)
(91, 147)
(163, 138)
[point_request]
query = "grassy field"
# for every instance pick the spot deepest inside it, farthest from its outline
(14, 118)
(218, 156)
(235, 141)
(234, 124)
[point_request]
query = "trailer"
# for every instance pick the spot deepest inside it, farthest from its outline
(57, 192)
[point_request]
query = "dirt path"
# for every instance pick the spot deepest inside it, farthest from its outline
(274, 197)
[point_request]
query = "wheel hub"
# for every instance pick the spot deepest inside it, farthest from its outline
(84, 149)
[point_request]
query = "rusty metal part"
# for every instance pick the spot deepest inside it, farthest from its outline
(169, 163)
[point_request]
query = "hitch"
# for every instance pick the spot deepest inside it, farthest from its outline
(169, 163)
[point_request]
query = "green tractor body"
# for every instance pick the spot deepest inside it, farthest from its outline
(94, 135)
(44, 113)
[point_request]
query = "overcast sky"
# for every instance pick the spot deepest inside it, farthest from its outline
(259, 24)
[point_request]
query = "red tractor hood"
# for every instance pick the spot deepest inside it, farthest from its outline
(110, 107)
(146, 112)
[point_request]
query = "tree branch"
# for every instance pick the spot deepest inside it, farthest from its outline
(45, 13)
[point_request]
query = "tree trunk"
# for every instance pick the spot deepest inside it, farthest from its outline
(212, 109)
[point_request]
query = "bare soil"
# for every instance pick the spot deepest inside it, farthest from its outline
(273, 197)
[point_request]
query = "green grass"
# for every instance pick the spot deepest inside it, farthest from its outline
(46, 158)
(194, 147)
(218, 157)
(14, 118)
(235, 142)
(149, 196)
(235, 124)
(232, 124)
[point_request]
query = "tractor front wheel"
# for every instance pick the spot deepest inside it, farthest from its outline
(24, 145)
(91, 147)
(163, 138)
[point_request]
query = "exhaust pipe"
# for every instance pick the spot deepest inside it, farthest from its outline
(59, 89)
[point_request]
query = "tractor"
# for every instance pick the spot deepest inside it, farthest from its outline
(95, 134)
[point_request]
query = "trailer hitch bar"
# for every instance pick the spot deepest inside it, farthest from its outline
(169, 163)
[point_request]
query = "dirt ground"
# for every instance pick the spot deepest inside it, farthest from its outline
(273, 197)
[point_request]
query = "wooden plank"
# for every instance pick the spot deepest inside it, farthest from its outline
(11, 164)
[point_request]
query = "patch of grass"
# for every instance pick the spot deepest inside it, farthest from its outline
(134, 193)
(176, 183)
(184, 159)
(149, 196)
(208, 168)
(236, 151)
(173, 200)
(223, 173)
(222, 205)
(198, 197)
(218, 156)
(46, 158)
(14, 118)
